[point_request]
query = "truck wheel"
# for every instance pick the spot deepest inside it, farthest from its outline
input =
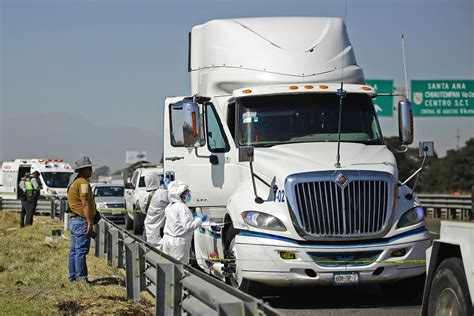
(137, 223)
(449, 293)
(234, 277)
(128, 221)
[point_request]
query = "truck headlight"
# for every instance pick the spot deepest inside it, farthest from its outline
(411, 217)
(50, 191)
(263, 220)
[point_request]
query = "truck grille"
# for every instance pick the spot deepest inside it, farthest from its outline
(356, 208)
(116, 205)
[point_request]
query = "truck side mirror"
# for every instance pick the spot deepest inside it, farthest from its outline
(129, 186)
(426, 149)
(190, 122)
(405, 122)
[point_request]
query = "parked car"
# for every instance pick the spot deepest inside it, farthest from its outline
(134, 192)
(110, 199)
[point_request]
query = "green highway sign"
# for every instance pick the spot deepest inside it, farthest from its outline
(383, 105)
(442, 97)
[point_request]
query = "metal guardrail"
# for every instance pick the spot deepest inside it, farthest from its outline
(447, 206)
(54, 208)
(177, 288)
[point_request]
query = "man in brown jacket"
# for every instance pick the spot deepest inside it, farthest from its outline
(83, 208)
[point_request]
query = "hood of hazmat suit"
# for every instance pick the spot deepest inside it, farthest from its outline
(179, 224)
(152, 181)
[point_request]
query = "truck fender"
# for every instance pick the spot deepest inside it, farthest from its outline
(435, 255)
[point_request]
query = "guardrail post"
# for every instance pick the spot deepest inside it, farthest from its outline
(99, 238)
(53, 209)
(1, 206)
(169, 290)
(62, 210)
(471, 211)
(134, 268)
(114, 254)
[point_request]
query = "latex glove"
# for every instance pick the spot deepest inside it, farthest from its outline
(204, 217)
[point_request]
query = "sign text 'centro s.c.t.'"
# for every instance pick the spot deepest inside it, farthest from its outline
(383, 105)
(443, 97)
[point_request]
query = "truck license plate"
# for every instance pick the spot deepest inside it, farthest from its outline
(346, 278)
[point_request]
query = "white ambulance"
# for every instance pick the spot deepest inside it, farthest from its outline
(54, 176)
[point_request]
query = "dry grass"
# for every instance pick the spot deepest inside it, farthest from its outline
(33, 275)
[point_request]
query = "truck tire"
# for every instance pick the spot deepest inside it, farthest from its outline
(233, 279)
(449, 293)
(128, 221)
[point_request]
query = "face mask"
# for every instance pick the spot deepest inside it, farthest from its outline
(188, 197)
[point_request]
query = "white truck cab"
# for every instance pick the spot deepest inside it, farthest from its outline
(257, 140)
(54, 176)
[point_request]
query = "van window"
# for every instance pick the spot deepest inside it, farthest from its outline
(141, 184)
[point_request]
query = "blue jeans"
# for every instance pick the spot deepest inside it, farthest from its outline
(80, 244)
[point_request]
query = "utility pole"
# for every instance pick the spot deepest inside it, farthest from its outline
(458, 137)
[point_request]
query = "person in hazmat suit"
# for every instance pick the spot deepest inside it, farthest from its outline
(152, 183)
(179, 224)
(154, 204)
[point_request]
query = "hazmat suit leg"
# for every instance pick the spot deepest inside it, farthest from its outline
(177, 247)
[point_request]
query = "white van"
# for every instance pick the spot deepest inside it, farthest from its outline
(134, 191)
(54, 177)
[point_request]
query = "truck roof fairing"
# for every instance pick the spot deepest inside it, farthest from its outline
(229, 53)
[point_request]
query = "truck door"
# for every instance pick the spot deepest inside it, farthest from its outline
(129, 188)
(11, 179)
(208, 168)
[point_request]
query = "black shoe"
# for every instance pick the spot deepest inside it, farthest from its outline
(85, 280)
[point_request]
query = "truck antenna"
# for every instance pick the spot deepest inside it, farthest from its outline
(341, 93)
(405, 68)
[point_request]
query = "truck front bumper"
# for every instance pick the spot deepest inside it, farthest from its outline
(259, 259)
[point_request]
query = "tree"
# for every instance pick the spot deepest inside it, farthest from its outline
(452, 173)
(101, 171)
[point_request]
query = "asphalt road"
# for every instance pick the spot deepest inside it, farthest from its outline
(400, 299)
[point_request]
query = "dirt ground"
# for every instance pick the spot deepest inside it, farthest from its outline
(33, 275)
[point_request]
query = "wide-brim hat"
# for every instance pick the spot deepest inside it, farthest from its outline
(82, 163)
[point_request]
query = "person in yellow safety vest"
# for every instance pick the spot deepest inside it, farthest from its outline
(30, 188)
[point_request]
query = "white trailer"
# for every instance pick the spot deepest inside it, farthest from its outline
(54, 176)
(257, 141)
(450, 264)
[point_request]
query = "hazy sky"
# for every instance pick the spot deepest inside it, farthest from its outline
(114, 62)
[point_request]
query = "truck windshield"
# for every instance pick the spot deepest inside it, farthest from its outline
(56, 179)
(299, 118)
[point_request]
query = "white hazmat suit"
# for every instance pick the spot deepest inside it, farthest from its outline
(179, 225)
(155, 215)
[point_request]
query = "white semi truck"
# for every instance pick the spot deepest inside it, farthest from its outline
(257, 140)
(54, 176)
